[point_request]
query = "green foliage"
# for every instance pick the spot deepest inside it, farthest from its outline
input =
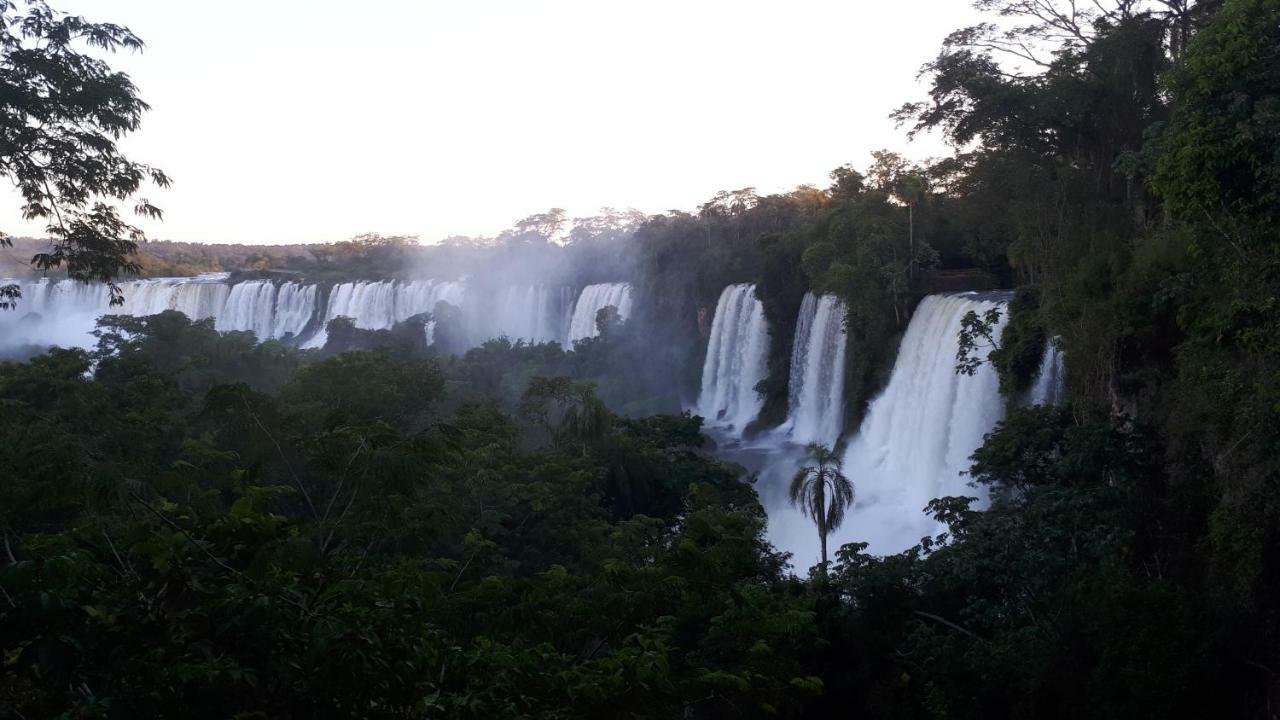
(977, 333)
(197, 525)
(64, 111)
(1022, 342)
(343, 544)
(1218, 154)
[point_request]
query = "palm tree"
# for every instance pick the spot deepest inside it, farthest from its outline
(822, 492)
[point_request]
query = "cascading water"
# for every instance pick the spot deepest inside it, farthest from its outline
(197, 298)
(593, 299)
(915, 442)
(422, 296)
(532, 313)
(737, 356)
(295, 306)
(370, 305)
(54, 313)
(815, 402)
(66, 312)
(250, 306)
(1050, 385)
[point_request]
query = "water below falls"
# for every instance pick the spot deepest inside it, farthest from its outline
(913, 446)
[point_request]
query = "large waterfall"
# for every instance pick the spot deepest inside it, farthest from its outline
(52, 312)
(737, 357)
(64, 312)
(815, 403)
(593, 299)
(915, 442)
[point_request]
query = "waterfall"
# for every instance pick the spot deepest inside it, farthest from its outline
(53, 313)
(915, 442)
(592, 299)
(295, 305)
(250, 306)
(370, 305)
(422, 296)
(532, 313)
(197, 298)
(65, 312)
(737, 354)
(1050, 385)
(815, 397)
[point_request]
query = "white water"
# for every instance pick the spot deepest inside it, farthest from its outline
(532, 313)
(815, 403)
(76, 307)
(915, 442)
(250, 306)
(1050, 385)
(295, 306)
(593, 299)
(65, 312)
(379, 305)
(197, 298)
(737, 357)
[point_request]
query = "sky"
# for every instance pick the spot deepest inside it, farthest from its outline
(312, 121)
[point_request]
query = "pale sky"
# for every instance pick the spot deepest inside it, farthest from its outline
(312, 121)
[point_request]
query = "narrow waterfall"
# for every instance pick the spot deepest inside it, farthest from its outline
(1050, 385)
(592, 299)
(737, 356)
(250, 306)
(915, 442)
(815, 402)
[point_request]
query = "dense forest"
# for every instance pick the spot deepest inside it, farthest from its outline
(198, 524)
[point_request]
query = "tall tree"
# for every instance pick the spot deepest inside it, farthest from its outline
(61, 113)
(822, 492)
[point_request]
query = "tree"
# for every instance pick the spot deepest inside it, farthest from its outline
(61, 113)
(822, 492)
(976, 332)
